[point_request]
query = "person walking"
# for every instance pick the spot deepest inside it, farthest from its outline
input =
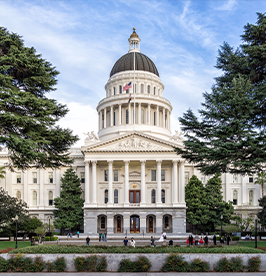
(125, 241)
(152, 241)
(228, 239)
(78, 234)
(88, 240)
(105, 236)
(32, 241)
(214, 239)
(206, 240)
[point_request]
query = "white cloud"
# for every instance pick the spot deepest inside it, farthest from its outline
(228, 6)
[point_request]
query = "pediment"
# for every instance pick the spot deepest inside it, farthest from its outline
(132, 143)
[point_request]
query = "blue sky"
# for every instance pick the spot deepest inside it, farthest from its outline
(83, 39)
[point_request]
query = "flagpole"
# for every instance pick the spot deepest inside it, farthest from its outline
(134, 90)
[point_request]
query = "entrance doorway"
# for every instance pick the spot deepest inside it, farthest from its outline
(118, 224)
(150, 224)
(134, 224)
(134, 196)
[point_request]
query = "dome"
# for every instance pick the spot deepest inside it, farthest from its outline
(142, 63)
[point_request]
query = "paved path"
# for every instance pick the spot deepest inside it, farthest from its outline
(136, 274)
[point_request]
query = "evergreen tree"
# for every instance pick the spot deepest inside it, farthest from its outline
(262, 213)
(27, 117)
(215, 204)
(230, 135)
(261, 179)
(68, 212)
(196, 207)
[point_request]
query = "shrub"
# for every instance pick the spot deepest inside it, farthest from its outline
(234, 238)
(91, 263)
(141, 265)
(175, 263)
(101, 264)
(254, 264)
(3, 265)
(197, 265)
(19, 264)
(59, 264)
(223, 265)
(236, 264)
(49, 266)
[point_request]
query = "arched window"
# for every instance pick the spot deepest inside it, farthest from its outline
(251, 201)
(50, 198)
(106, 196)
(102, 222)
(142, 116)
(154, 90)
(234, 197)
(115, 196)
(114, 118)
(163, 196)
(152, 196)
(149, 89)
(142, 88)
(34, 198)
(154, 117)
(18, 195)
(120, 89)
(127, 119)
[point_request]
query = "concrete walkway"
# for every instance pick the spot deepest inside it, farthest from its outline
(137, 274)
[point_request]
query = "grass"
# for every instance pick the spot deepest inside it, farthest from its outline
(12, 244)
(251, 244)
(71, 249)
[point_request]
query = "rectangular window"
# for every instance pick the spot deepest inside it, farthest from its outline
(154, 118)
(34, 177)
(114, 90)
(153, 175)
(134, 196)
(250, 179)
(115, 175)
(234, 178)
(234, 201)
(50, 176)
(82, 177)
(19, 178)
(127, 117)
(162, 175)
(186, 177)
(120, 89)
(105, 175)
(154, 91)
(114, 118)
(149, 89)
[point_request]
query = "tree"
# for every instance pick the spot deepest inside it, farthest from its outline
(11, 207)
(68, 212)
(194, 197)
(44, 229)
(27, 117)
(2, 172)
(30, 224)
(262, 213)
(230, 136)
(215, 204)
(261, 179)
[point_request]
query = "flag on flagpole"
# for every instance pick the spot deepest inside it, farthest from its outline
(127, 87)
(129, 98)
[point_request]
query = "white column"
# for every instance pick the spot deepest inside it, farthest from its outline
(227, 187)
(87, 182)
(244, 190)
(149, 114)
(174, 184)
(169, 120)
(126, 186)
(139, 117)
(110, 182)
(57, 182)
(104, 123)
(94, 184)
(8, 178)
(129, 113)
(159, 183)
(25, 186)
(41, 191)
(143, 184)
(119, 116)
(182, 182)
(157, 116)
(163, 117)
(101, 120)
(111, 116)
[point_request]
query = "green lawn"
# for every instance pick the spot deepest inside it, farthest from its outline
(12, 244)
(251, 244)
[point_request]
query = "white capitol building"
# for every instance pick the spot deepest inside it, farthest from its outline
(132, 179)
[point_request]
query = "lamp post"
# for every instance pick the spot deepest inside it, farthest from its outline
(16, 220)
(221, 225)
(256, 221)
(49, 230)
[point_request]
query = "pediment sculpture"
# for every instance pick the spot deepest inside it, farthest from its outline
(91, 137)
(178, 136)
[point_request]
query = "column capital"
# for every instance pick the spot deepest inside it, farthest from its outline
(94, 162)
(142, 161)
(182, 161)
(174, 161)
(159, 161)
(87, 162)
(110, 161)
(126, 161)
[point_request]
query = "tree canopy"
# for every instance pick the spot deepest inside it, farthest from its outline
(27, 117)
(68, 211)
(262, 213)
(230, 135)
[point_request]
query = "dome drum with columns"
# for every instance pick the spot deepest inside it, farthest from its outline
(132, 179)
